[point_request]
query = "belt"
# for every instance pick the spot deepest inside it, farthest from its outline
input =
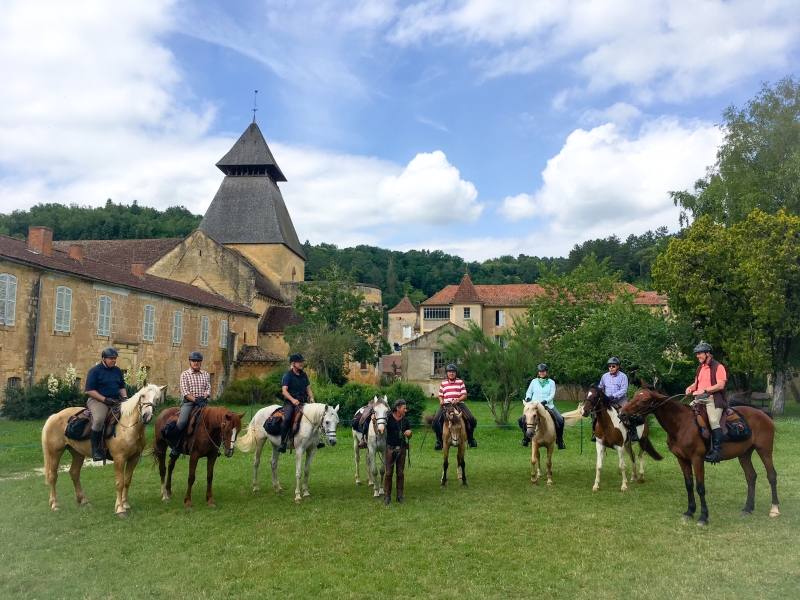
(395, 447)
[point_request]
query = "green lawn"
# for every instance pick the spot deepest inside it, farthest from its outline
(500, 537)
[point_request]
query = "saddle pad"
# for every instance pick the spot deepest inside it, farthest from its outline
(274, 422)
(735, 427)
(79, 425)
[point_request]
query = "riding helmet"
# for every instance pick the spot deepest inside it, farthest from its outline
(109, 352)
(613, 361)
(196, 356)
(451, 367)
(703, 347)
(296, 358)
(542, 367)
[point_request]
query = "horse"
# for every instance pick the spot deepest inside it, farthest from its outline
(216, 430)
(455, 429)
(376, 444)
(611, 433)
(686, 443)
(125, 446)
(317, 420)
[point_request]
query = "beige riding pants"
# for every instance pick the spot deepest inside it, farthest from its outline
(714, 413)
(99, 413)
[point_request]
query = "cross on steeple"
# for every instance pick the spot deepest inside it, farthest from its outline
(255, 106)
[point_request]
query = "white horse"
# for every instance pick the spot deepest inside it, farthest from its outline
(376, 444)
(317, 420)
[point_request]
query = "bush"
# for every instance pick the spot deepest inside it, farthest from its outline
(413, 395)
(39, 403)
(240, 392)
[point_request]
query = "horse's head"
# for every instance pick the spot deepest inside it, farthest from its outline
(330, 421)
(231, 426)
(453, 424)
(594, 400)
(644, 401)
(532, 418)
(380, 414)
(145, 400)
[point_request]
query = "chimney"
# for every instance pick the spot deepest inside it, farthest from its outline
(137, 269)
(76, 252)
(40, 240)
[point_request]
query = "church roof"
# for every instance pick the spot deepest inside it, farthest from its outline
(403, 307)
(466, 292)
(277, 318)
(122, 252)
(251, 153)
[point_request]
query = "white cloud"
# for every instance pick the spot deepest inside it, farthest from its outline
(605, 182)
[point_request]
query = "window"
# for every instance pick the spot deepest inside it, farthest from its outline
(223, 334)
(499, 319)
(14, 382)
(436, 314)
(204, 331)
(8, 298)
(467, 312)
(438, 364)
(363, 365)
(63, 308)
(177, 327)
(104, 316)
(149, 330)
(407, 332)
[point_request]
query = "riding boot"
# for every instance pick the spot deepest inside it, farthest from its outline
(473, 443)
(439, 445)
(400, 484)
(594, 422)
(363, 443)
(176, 448)
(525, 441)
(96, 437)
(715, 453)
(284, 439)
(560, 436)
(633, 433)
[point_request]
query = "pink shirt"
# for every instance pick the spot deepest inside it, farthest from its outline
(704, 378)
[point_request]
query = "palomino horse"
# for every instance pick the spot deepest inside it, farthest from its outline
(125, 446)
(215, 431)
(685, 442)
(454, 434)
(376, 444)
(611, 433)
(541, 430)
(317, 420)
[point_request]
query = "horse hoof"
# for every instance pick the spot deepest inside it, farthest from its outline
(624, 488)
(298, 500)
(444, 485)
(212, 505)
(549, 483)
(358, 483)
(774, 512)
(187, 506)
(687, 517)
(279, 491)
(702, 523)
(122, 515)
(745, 513)
(596, 488)
(463, 485)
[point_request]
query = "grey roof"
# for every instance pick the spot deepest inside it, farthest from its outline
(251, 152)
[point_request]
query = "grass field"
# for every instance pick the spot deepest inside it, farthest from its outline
(498, 538)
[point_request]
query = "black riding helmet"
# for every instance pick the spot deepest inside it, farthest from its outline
(296, 358)
(109, 352)
(196, 356)
(542, 367)
(703, 347)
(451, 367)
(613, 361)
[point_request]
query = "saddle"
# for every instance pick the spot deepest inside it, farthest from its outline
(169, 430)
(274, 422)
(80, 424)
(735, 427)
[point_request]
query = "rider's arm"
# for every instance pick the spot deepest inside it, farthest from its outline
(95, 395)
(551, 393)
(288, 396)
(310, 393)
(123, 393)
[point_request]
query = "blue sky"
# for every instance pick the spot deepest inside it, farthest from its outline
(478, 127)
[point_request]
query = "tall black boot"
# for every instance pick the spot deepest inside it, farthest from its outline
(633, 433)
(439, 445)
(284, 439)
(594, 422)
(715, 454)
(560, 436)
(176, 447)
(95, 437)
(473, 443)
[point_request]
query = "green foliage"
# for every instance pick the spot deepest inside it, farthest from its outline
(758, 163)
(413, 395)
(352, 396)
(109, 222)
(241, 391)
(41, 401)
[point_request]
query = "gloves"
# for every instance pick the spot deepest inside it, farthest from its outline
(109, 401)
(201, 401)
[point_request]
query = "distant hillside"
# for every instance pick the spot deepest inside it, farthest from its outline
(109, 222)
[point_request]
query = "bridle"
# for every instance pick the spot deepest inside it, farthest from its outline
(534, 425)
(596, 403)
(376, 421)
(451, 413)
(321, 425)
(653, 405)
(221, 433)
(142, 406)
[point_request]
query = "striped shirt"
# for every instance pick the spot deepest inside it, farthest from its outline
(195, 384)
(615, 386)
(450, 391)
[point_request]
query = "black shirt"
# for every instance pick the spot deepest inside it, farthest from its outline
(106, 381)
(395, 429)
(297, 384)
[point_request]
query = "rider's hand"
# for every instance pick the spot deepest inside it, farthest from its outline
(698, 393)
(689, 390)
(296, 402)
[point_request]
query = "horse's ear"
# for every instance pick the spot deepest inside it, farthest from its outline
(385, 399)
(241, 416)
(162, 388)
(336, 410)
(644, 384)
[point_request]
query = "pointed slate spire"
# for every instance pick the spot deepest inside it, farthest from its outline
(466, 292)
(250, 155)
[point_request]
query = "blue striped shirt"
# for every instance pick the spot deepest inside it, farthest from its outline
(615, 386)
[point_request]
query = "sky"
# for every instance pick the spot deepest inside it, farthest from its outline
(478, 127)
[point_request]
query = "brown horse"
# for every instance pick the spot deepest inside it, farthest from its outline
(215, 431)
(125, 446)
(611, 433)
(685, 442)
(454, 429)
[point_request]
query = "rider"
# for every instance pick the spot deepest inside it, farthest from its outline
(709, 389)
(615, 385)
(397, 427)
(453, 391)
(196, 390)
(296, 391)
(543, 389)
(105, 386)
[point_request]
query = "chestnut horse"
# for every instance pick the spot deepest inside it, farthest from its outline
(611, 433)
(685, 442)
(125, 446)
(215, 431)
(454, 430)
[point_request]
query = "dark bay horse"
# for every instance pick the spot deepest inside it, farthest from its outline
(454, 434)
(611, 433)
(685, 442)
(214, 433)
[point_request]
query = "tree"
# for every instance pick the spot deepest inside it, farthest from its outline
(740, 287)
(758, 163)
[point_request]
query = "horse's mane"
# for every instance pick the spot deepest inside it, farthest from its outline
(314, 410)
(127, 407)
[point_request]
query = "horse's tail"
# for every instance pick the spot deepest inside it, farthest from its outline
(247, 443)
(573, 416)
(428, 420)
(45, 452)
(648, 447)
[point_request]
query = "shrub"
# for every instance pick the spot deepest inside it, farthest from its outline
(240, 392)
(42, 400)
(413, 394)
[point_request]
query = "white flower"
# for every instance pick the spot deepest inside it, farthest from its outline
(70, 375)
(52, 384)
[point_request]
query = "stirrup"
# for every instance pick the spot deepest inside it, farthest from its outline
(438, 445)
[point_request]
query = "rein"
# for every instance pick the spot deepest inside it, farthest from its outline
(654, 406)
(208, 433)
(139, 420)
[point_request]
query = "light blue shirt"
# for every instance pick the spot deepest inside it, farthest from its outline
(542, 394)
(615, 386)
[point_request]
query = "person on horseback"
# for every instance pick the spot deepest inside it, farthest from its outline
(543, 389)
(398, 434)
(296, 390)
(709, 389)
(453, 391)
(615, 385)
(105, 386)
(196, 390)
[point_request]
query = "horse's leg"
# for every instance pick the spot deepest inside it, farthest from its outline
(274, 464)
(257, 460)
(357, 457)
(309, 457)
(772, 476)
(445, 456)
(372, 470)
(119, 476)
(75, 473)
(130, 465)
(550, 447)
(640, 477)
(162, 471)
(52, 458)
(621, 451)
(601, 452)
(688, 480)
(209, 479)
(379, 483)
(746, 460)
(462, 451)
(298, 471)
(193, 458)
(535, 472)
(170, 469)
(700, 474)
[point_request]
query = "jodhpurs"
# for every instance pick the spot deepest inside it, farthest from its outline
(395, 457)
(469, 420)
(99, 413)
(186, 410)
(714, 413)
(288, 417)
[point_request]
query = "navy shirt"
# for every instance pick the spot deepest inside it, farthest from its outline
(296, 384)
(106, 382)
